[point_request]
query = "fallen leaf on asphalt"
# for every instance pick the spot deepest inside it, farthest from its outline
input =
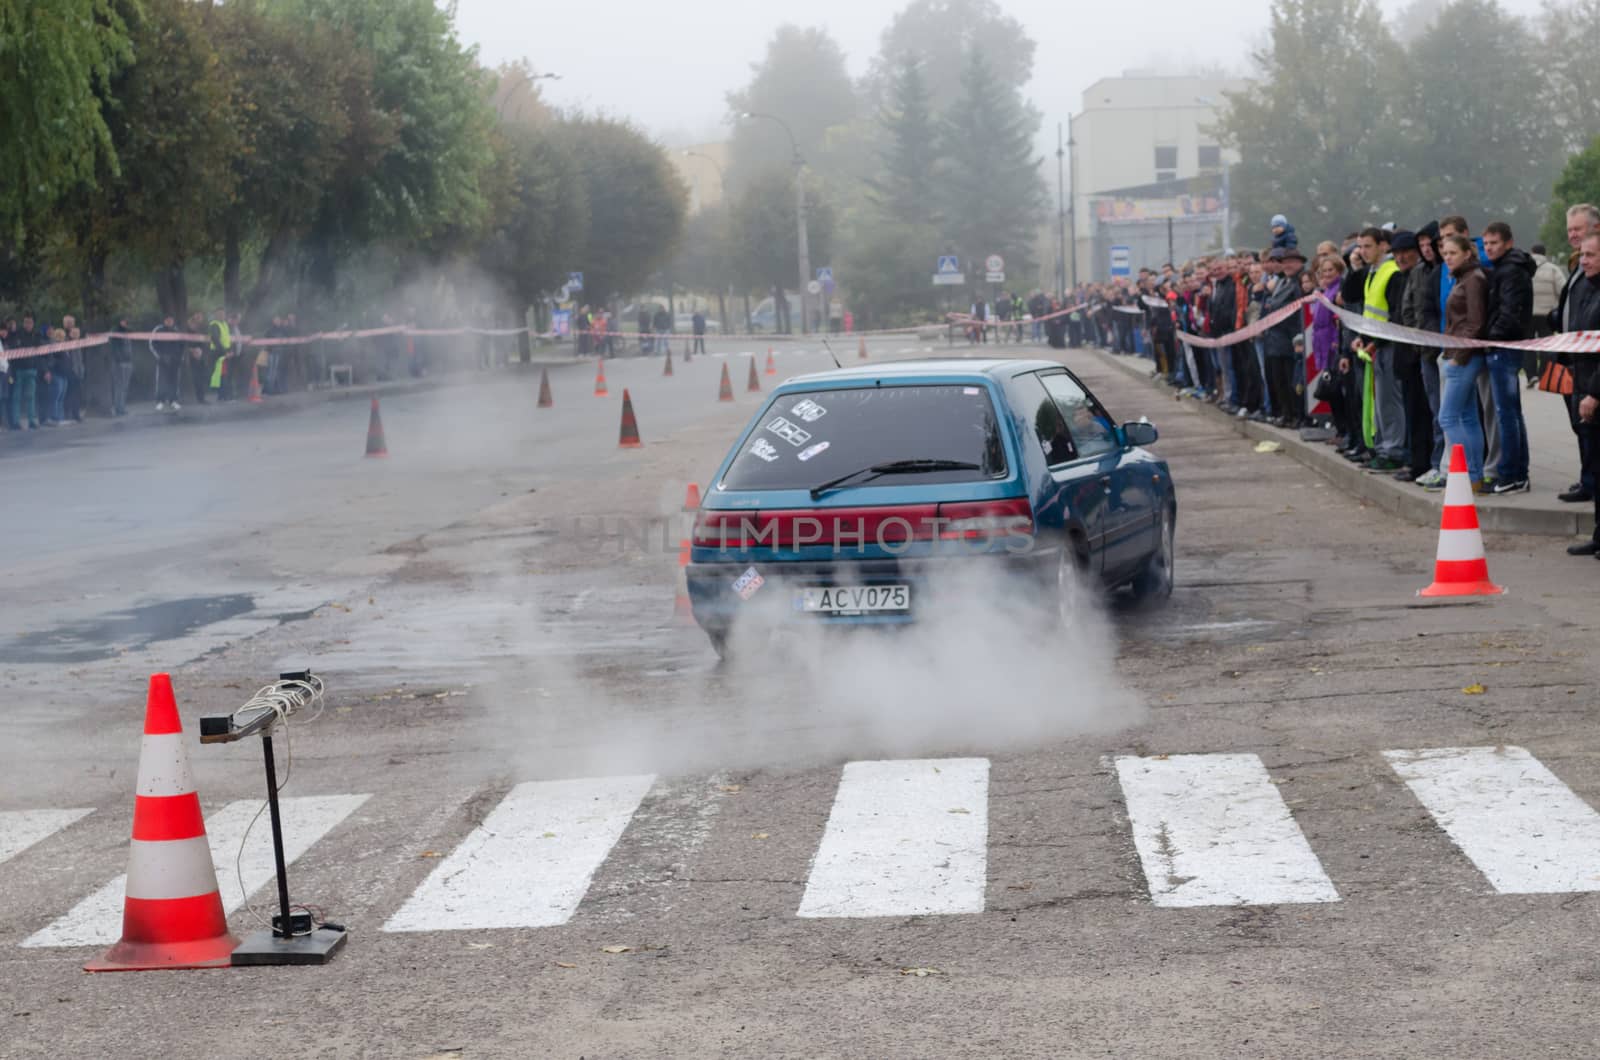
(616, 949)
(1474, 690)
(920, 973)
(430, 854)
(1268, 447)
(549, 835)
(564, 964)
(731, 789)
(759, 835)
(480, 945)
(958, 809)
(1020, 886)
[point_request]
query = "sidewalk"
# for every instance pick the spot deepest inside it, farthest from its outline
(1553, 466)
(142, 414)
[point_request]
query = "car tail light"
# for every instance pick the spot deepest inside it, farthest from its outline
(980, 520)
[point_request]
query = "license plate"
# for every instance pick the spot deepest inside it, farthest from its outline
(855, 599)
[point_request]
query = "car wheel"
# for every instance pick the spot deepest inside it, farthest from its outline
(1154, 582)
(1066, 587)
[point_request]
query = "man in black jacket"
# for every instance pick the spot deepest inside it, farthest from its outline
(1580, 311)
(1510, 320)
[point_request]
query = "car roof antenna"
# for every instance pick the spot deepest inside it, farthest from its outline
(835, 356)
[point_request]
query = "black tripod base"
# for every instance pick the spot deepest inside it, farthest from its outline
(264, 947)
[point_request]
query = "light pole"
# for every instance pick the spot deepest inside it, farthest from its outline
(799, 214)
(1061, 218)
(722, 183)
(1072, 205)
(525, 79)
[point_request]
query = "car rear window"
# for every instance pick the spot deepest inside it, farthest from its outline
(806, 439)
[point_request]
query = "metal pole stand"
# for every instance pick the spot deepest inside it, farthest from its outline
(293, 939)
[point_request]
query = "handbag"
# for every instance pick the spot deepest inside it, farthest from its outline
(1556, 379)
(1326, 387)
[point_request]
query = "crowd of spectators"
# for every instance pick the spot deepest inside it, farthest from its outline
(1391, 406)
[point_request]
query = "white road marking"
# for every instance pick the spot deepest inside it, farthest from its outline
(904, 838)
(1212, 829)
(97, 920)
(20, 829)
(530, 862)
(1524, 829)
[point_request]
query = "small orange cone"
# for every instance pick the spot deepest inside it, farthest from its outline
(376, 446)
(726, 392)
(1460, 567)
(600, 379)
(545, 400)
(691, 498)
(861, 351)
(630, 426)
(772, 368)
(172, 912)
(254, 396)
(682, 609)
(668, 369)
(754, 386)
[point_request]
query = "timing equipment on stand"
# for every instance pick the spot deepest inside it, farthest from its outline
(295, 937)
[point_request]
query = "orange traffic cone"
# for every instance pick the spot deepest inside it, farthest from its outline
(630, 426)
(691, 498)
(754, 386)
(1460, 568)
(600, 379)
(682, 609)
(861, 351)
(726, 391)
(254, 395)
(376, 446)
(545, 400)
(172, 914)
(772, 368)
(668, 369)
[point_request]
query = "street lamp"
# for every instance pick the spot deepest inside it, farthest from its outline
(799, 214)
(526, 78)
(1072, 204)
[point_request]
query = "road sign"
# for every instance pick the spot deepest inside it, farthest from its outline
(825, 277)
(948, 272)
(995, 276)
(814, 287)
(575, 281)
(1121, 261)
(994, 263)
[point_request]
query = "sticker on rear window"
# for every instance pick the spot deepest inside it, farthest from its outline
(971, 391)
(809, 411)
(807, 454)
(792, 433)
(764, 450)
(748, 583)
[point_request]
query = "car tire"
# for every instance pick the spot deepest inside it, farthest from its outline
(1067, 585)
(1153, 584)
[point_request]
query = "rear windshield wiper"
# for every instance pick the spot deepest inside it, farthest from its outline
(896, 467)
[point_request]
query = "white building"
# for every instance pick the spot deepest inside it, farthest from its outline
(1146, 172)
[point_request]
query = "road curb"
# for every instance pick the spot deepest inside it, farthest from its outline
(1406, 501)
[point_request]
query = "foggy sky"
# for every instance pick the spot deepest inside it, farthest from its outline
(668, 66)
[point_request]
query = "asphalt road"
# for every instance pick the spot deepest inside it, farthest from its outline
(1295, 812)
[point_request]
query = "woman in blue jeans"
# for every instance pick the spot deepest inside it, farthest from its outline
(1464, 316)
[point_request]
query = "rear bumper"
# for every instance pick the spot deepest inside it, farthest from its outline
(718, 606)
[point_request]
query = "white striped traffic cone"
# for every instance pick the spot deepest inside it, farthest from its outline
(1461, 568)
(172, 915)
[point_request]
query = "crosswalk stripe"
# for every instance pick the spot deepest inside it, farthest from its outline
(20, 829)
(1525, 830)
(530, 862)
(97, 919)
(1211, 829)
(904, 838)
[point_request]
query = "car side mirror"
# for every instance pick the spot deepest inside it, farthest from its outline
(1141, 433)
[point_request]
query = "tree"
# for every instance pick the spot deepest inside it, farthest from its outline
(907, 192)
(56, 61)
(1315, 131)
(637, 203)
(1473, 146)
(802, 81)
(541, 212)
(1570, 75)
(889, 267)
(992, 198)
(766, 236)
(941, 34)
(1579, 182)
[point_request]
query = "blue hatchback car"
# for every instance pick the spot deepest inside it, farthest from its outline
(853, 490)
